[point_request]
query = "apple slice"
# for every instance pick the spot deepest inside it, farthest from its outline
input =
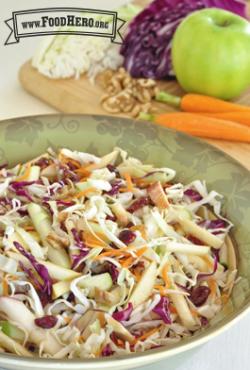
(102, 281)
(145, 286)
(190, 227)
(119, 329)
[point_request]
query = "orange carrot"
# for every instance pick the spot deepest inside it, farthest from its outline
(196, 103)
(165, 276)
(147, 334)
(5, 287)
(240, 117)
(130, 186)
(84, 192)
(25, 176)
(213, 287)
(140, 228)
(198, 125)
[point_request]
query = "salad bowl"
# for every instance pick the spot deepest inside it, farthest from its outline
(24, 138)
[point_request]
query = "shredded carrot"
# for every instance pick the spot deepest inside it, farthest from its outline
(26, 174)
(140, 228)
(5, 287)
(85, 170)
(161, 289)
(29, 228)
(213, 287)
(130, 186)
(127, 262)
(194, 312)
(172, 308)
(147, 334)
(67, 319)
(101, 319)
(120, 343)
(84, 192)
(93, 241)
(224, 298)
(114, 252)
(208, 262)
(141, 251)
(165, 275)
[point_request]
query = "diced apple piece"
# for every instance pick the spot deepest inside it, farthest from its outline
(158, 196)
(205, 236)
(145, 286)
(107, 298)
(119, 329)
(60, 288)
(12, 331)
(102, 281)
(12, 346)
(34, 173)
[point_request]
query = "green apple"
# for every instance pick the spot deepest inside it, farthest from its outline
(211, 53)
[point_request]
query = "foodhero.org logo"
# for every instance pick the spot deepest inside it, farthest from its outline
(56, 21)
(68, 21)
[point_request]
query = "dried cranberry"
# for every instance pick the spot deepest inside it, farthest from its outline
(139, 203)
(193, 195)
(42, 162)
(111, 218)
(199, 295)
(204, 321)
(127, 236)
(111, 168)
(130, 224)
(46, 322)
(115, 187)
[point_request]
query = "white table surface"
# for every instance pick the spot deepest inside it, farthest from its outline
(230, 350)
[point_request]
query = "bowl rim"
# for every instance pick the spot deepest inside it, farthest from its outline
(149, 355)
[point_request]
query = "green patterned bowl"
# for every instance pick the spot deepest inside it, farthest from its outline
(25, 138)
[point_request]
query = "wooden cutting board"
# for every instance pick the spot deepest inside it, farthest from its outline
(80, 96)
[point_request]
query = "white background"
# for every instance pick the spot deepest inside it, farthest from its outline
(230, 350)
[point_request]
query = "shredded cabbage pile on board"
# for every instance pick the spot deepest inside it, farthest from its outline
(107, 256)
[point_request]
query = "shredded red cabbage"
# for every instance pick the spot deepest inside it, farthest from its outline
(123, 315)
(107, 351)
(77, 258)
(202, 275)
(162, 309)
(46, 288)
(20, 184)
(23, 193)
(113, 271)
(193, 195)
(115, 187)
(46, 322)
(147, 45)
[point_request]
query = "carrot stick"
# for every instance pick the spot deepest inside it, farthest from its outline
(200, 103)
(240, 117)
(198, 125)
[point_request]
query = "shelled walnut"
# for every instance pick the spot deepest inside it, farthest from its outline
(125, 94)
